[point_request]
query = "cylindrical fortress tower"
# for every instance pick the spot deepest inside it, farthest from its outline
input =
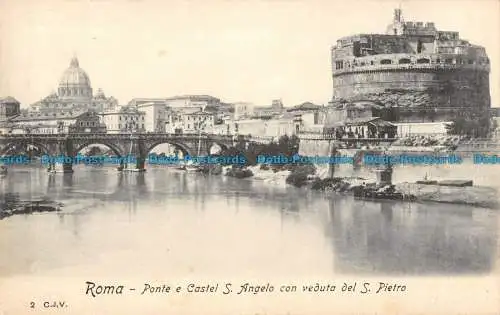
(414, 67)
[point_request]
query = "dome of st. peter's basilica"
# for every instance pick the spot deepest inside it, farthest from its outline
(75, 82)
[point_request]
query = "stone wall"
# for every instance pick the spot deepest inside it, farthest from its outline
(414, 89)
(315, 147)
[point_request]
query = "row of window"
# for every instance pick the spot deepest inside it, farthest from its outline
(198, 118)
(124, 126)
(340, 64)
(89, 123)
(73, 91)
(131, 118)
(56, 105)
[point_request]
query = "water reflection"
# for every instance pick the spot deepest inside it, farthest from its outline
(393, 238)
(362, 237)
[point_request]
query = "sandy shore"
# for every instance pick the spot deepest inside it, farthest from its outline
(487, 197)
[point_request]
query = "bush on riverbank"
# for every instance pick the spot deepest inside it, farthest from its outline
(239, 172)
(213, 169)
(330, 184)
(277, 167)
(299, 175)
(286, 146)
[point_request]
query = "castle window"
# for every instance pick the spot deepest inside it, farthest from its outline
(438, 60)
(423, 60)
(404, 61)
(371, 62)
(386, 62)
(419, 46)
(448, 60)
(471, 62)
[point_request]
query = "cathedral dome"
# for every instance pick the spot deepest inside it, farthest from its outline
(75, 82)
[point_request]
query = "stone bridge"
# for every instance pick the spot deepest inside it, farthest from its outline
(123, 145)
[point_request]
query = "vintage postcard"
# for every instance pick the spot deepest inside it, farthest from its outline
(249, 157)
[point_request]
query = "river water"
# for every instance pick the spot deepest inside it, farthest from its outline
(190, 224)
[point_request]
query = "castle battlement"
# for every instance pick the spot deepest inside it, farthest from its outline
(416, 57)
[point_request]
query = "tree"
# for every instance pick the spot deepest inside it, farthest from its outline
(94, 151)
(470, 124)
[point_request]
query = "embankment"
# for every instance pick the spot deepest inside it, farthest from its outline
(347, 183)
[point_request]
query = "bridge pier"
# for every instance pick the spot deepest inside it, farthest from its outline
(66, 168)
(134, 166)
(334, 155)
(384, 175)
(136, 157)
(331, 166)
(64, 150)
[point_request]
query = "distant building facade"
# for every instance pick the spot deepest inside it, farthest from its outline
(124, 119)
(63, 122)
(423, 129)
(154, 116)
(198, 121)
(274, 110)
(243, 110)
(200, 101)
(9, 107)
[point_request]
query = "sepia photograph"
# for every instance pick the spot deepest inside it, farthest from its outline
(249, 157)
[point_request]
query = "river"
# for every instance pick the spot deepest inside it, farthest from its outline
(191, 224)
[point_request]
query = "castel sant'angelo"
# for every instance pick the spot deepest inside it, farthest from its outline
(423, 72)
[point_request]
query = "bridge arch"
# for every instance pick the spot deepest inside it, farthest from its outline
(116, 150)
(184, 148)
(13, 147)
(222, 146)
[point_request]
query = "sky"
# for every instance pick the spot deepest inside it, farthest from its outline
(237, 50)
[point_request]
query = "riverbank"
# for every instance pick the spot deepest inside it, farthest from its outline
(11, 205)
(485, 197)
(315, 178)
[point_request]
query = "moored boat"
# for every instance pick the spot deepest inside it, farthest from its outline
(191, 167)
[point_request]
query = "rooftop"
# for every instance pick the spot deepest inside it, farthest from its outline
(8, 99)
(191, 97)
(376, 121)
(304, 107)
(29, 116)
